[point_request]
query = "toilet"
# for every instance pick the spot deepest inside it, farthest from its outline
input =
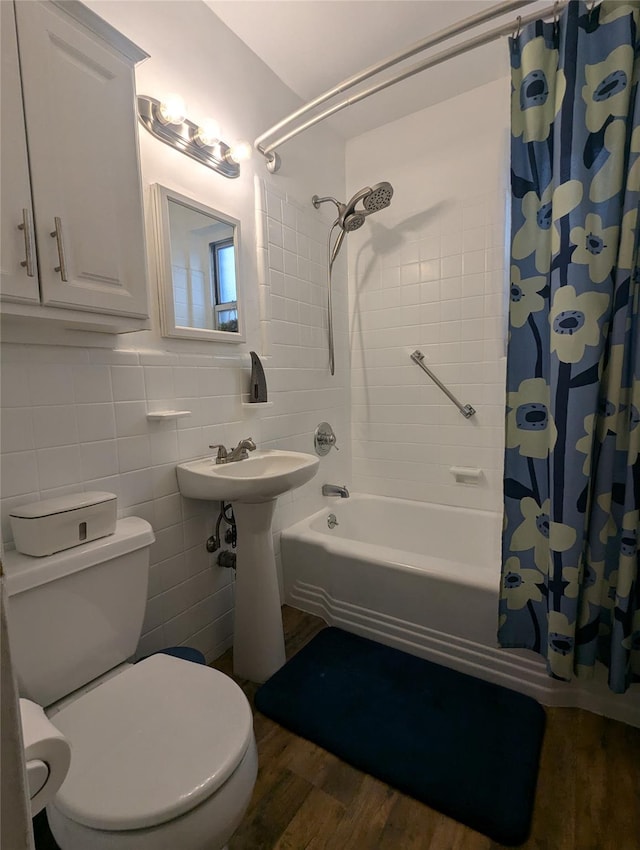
(163, 754)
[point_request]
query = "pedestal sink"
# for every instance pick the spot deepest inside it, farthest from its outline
(253, 486)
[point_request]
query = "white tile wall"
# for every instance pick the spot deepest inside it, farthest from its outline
(100, 439)
(74, 419)
(291, 239)
(429, 273)
(426, 273)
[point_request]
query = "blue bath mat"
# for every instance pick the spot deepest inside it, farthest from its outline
(468, 748)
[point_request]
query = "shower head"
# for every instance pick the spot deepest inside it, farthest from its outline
(378, 197)
(373, 199)
(347, 219)
(352, 221)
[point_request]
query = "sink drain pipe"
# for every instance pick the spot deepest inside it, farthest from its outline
(225, 558)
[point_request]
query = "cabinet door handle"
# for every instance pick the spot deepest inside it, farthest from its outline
(29, 246)
(57, 235)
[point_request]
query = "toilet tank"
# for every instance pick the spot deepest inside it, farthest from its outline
(76, 614)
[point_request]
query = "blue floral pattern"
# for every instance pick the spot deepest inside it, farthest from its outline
(570, 588)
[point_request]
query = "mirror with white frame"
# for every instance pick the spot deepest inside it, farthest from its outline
(198, 274)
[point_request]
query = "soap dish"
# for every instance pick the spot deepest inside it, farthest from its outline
(256, 403)
(163, 415)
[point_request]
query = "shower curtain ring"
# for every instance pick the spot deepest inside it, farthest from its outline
(518, 26)
(556, 27)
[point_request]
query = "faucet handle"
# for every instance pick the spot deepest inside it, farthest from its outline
(324, 439)
(222, 452)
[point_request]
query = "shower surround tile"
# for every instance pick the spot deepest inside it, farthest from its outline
(405, 433)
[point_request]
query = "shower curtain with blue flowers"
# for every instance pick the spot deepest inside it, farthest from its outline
(570, 586)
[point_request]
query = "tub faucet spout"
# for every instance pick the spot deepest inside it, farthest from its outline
(335, 490)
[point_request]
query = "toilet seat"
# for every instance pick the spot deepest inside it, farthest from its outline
(151, 744)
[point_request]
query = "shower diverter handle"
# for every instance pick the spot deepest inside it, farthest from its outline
(329, 440)
(324, 439)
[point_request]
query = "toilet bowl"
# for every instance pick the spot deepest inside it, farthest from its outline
(163, 757)
(163, 754)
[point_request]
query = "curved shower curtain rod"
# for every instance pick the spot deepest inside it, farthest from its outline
(267, 149)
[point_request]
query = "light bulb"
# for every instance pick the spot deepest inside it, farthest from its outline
(209, 133)
(173, 109)
(240, 151)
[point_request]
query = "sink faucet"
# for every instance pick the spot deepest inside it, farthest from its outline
(335, 490)
(241, 451)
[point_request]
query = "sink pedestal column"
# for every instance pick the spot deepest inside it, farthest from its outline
(258, 638)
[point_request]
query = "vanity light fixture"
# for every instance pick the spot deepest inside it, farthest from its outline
(209, 133)
(166, 121)
(240, 151)
(172, 110)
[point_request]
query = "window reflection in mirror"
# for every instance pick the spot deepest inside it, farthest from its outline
(198, 269)
(223, 274)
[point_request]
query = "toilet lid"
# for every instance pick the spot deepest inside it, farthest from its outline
(151, 743)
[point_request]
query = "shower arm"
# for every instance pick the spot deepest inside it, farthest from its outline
(316, 201)
(344, 210)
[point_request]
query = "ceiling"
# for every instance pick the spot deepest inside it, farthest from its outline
(312, 45)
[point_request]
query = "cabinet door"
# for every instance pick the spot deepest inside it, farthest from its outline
(79, 103)
(17, 282)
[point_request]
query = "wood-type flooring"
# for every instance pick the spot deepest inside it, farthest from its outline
(588, 794)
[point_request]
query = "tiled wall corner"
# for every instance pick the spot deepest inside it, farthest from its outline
(305, 393)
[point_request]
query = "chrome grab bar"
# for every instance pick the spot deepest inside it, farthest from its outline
(465, 409)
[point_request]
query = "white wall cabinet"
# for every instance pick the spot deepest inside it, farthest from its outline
(68, 99)
(17, 282)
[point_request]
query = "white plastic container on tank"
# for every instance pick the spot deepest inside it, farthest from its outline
(77, 614)
(52, 525)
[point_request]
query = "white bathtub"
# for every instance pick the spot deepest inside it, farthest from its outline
(424, 578)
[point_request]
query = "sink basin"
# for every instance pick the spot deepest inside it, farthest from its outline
(263, 476)
(253, 485)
